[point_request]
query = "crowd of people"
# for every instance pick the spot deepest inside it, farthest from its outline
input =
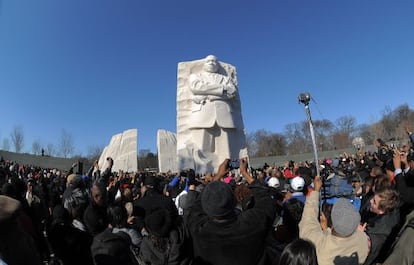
(272, 215)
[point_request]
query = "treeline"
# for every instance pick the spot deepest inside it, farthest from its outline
(330, 135)
(295, 139)
(17, 142)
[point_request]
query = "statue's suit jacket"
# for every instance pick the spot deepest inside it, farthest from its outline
(211, 104)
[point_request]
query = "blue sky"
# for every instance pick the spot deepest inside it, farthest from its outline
(97, 67)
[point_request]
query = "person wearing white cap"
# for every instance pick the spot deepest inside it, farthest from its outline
(273, 183)
(297, 188)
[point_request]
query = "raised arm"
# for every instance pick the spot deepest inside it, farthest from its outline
(243, 170)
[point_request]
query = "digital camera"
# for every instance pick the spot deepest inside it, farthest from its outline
(234, 164)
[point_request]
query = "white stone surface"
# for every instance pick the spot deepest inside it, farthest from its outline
(123, 150)
(210, 127)
(167, 151)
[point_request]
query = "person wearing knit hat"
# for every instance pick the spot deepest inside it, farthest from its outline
(217, 199)
(345, 218)
(341, 242)
(167, 242)
(159, 223)
(151, 182)
(215, 225)
(9, 208)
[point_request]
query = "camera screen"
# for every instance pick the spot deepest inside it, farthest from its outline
(234, 164)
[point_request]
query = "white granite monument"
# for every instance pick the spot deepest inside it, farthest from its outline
(123, 150)
(210, 127)
(167, 151)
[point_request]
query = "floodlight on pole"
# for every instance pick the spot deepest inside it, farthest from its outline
(305, 98)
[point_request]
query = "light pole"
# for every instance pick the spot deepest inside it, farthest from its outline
(305, 98)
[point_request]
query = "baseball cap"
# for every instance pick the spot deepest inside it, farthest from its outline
(273, 182)
(297, 183)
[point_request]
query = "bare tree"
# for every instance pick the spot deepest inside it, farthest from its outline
(398, 118)
(6, 144)
(345, 130)
(149, 161)
(387, 124)
(277, 144)
(50, 150)
(269, 143)
(402, 112)
(341, 140)
(17, 137)
(258, 139)
(330, 135)
(323, 132)
(366, 132)
(66, 146)
(391, 125)
(36, 147)
(346, 124)
(296, 136)
(251, 144)
(94, 152)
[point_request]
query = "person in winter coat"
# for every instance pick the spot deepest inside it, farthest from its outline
(167, 242)
(380, 220)
(16, 247)
(95, 217)
(220, 233)
(118, 218)
(342, 243)
(151, 199)
(401, 251)
(70, 244)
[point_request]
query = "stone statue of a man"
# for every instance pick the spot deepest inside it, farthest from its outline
(214, 128)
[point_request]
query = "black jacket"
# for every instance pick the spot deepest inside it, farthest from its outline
(176, 252)
(151, 201)
(237, 240)
(404, 183)
(70, 244)
(95, 218)
(380, 229)
(110, 248)
(401, 251)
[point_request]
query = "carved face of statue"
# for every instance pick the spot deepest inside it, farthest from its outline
(211, 64)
